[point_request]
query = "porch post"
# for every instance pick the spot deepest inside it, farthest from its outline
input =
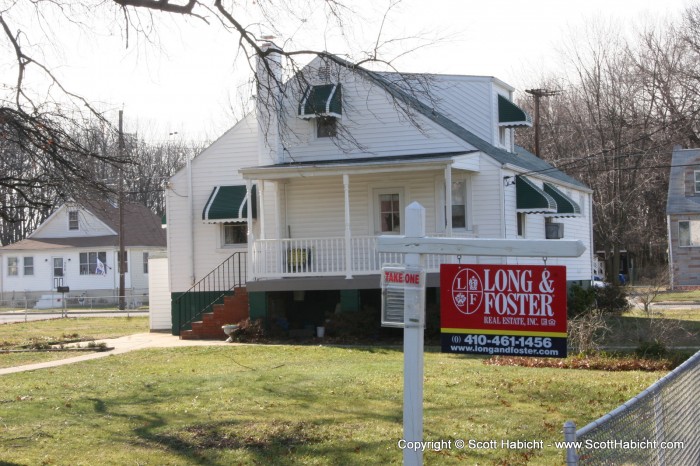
(448, 200)
(348, 232)
(261, 219)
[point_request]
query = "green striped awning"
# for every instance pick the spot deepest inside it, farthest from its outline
(510, 115)
(324, 100)
(566, 207)
(229, 204)
(531, 199)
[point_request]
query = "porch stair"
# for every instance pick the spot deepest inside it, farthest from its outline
(233, 310)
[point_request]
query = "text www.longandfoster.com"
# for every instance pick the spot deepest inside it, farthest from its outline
(511, 351)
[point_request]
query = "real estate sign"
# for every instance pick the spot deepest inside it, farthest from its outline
(507, 310)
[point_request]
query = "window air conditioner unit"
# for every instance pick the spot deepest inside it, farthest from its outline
(554, 230)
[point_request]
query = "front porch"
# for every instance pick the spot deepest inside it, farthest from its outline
(328, 257)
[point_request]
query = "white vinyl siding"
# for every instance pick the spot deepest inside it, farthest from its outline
(371, 118)
(57, 226)
(216, 166)
(466, 100)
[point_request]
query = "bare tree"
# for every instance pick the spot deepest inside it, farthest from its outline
(43, 124)
(613, 122)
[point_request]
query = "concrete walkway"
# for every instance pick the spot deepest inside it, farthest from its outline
(121, 345)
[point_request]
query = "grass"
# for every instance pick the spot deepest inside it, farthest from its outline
(678, 296)
(290, 405)
(58, 331)
(678, 327)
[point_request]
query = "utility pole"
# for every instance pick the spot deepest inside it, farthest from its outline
(122, 281)
(538, 94)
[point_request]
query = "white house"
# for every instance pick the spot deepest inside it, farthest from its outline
(332, 168)
(78, 247)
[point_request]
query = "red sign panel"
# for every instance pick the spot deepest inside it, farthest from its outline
(496, 309)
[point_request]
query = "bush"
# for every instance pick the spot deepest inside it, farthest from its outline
(612, 299)
(651, 350)
(580, 301)
(250, 330)
(585, 331)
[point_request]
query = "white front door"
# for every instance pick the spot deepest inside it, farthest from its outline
(58, 272)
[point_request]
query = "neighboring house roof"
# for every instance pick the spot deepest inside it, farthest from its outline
(678, 202)
(141, 228)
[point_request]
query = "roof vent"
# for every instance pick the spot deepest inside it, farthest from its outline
(324, 72)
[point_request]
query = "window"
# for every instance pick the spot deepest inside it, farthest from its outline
(326, 127)
(145, 262)
(89, 263)
(503, 137)
(126, 261)
(234, 233)
(390, 213)
(29, 266)
(459, 204)
(521, 223)
(12, 266)
(689, 233)
(58, 267)
(697, 181)
(73, 220)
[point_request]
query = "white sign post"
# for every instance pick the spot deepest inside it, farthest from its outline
(413, 334)
(414, 245)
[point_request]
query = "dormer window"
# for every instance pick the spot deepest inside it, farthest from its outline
(321, 101)
(73, 220)
(697, 181)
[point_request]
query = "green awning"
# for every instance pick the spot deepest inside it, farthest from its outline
(510, 115)
(566, 207)
(324, 100)
(531, 199)
(229, 204)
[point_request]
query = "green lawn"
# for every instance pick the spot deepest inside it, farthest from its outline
(675, 327)
(57, 331)
(290, 405)
(678, 296)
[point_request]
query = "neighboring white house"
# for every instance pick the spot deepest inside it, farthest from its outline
(334, 167)
(78, 247)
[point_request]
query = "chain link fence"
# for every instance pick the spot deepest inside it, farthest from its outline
(660, 426)
(76, 302)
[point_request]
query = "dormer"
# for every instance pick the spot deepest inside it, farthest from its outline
(323, 104)
(510, 116)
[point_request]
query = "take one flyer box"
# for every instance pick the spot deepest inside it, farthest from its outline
(516, 310)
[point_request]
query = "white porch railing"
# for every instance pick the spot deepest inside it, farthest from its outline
(314, 257)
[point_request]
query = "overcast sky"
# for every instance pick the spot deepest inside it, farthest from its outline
(186, 84)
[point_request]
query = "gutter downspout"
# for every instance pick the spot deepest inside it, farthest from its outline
(189, 195)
